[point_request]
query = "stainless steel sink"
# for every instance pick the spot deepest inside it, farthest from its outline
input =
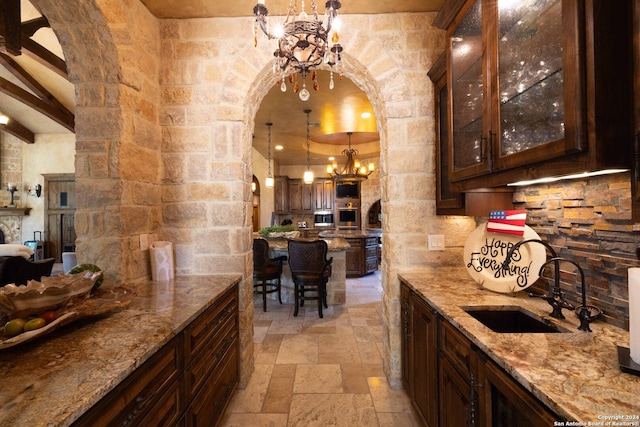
(512, 320)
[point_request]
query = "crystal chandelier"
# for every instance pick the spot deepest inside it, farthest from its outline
(308, 174)
(353, 169)
(303, 43)
(269, 181)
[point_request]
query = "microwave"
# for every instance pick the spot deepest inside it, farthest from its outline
(347, 190)
(323, 219)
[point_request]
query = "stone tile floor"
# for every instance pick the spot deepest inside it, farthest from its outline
(321, 372)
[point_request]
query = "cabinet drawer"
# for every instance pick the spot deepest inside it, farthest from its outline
(371, 241)
(371, 252)
(210, 403)
(167, 410)
(201, 331)
(129, 402)
(455, 347)
(206, 362)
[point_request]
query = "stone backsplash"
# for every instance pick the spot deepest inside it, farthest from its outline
(589, 222)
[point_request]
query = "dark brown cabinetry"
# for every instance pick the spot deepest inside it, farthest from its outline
(187, 382)
(300, 197)
(635, 177)
(323, 193)
(281, 195)
(453, 383)
(535, 92)
(362, 256)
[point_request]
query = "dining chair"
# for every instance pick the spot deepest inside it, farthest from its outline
(266, 270)
(310, 271)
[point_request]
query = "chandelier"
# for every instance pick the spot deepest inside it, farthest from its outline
(353, 169)
(302, 43)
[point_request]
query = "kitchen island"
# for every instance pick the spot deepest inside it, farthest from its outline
(56, 379)
(363, 254)
(337, 285)
(575, 374)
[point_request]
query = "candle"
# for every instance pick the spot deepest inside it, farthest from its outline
(634, 314)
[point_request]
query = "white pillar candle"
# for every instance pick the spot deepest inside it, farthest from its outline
(634, 314)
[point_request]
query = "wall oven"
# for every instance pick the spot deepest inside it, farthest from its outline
(323, 219)
(348, 217)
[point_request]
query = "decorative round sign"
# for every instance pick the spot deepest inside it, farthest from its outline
(485, 252)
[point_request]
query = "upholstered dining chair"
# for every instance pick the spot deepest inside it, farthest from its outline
(310, 271)
(266, 270)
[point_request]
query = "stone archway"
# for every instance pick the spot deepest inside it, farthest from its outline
(109, 102)
(362, 77)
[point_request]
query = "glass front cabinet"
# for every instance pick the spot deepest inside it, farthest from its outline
(535, 88)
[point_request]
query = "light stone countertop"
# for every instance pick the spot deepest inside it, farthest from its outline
(52, 381)
(576, 374)
(350, 234)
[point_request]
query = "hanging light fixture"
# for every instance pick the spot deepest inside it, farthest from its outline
(352, 168)
(269, 180)
(308, 174)
(303, 43)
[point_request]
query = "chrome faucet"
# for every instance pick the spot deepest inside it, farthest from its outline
(556, 299)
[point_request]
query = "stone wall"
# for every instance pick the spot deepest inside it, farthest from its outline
(589, 222)
(11, 168)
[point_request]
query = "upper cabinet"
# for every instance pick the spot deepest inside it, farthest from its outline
(535, 88)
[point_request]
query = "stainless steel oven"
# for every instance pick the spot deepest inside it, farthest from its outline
(323, 219)
(348, 217)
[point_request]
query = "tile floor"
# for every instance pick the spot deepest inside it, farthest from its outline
(321, 372)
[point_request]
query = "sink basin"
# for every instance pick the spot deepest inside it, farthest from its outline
(512, 320)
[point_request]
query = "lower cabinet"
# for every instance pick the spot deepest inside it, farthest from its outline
(362, 256)
(188, 382)
(451, 382)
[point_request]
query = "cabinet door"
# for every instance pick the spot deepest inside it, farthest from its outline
(505, 403)
(281, 195)
(469, 149)
(536, 81)
(300, 196)
(407, 339)
(448, 202)
(425, 356)
(323, 195)
(355, 258)
(635, 180)
(455, 401)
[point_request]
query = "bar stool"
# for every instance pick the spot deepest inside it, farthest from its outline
(266, 270)
(310, 271)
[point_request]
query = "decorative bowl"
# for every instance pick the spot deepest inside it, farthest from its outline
(51, 292)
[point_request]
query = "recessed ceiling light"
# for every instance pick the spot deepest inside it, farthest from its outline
(279, 147)
(365, 115)
(331, 159)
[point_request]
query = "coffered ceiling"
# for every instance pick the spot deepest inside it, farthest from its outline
(38, 97)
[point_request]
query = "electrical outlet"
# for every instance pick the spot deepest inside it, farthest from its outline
(436, 242)
(144, 242)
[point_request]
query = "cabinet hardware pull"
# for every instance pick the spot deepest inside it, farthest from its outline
(483, 140)
(473, 395)
(141, 402)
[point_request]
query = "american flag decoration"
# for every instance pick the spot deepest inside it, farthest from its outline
(507, 222)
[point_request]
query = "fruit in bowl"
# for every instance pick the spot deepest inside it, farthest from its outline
(51, 292)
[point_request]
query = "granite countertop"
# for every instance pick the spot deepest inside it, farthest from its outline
(55, 379)
(576, 374)
(334, 244)
(350, 234)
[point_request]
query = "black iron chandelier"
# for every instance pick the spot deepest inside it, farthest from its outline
(353, 169)
(303, 43)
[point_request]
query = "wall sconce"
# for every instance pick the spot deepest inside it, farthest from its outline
(35, 192)
(12, 188)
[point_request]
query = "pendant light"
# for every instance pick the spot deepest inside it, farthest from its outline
(269, 181)
(308, 174)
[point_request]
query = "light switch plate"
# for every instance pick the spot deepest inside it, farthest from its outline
(144, 242)
(436, 242)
